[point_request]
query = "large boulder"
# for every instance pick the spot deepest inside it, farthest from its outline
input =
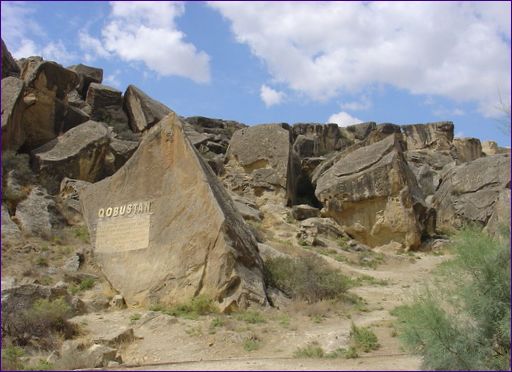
(492, 148)
(46, 116)
(34, 213)
(13, 105)
(260, 159)
(120, 152)
(373, 194)
(79, 154)
(428, 166)
(107, 106)
(68, 201)
(86, 76)
(165, 230)
(466, 149)
(143, 111)
(468, 192)
(436, 136)
(9, 65)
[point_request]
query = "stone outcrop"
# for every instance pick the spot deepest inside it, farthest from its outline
(9, 65)
(260, 159)
(435, 136)
(492, 148)
(428, 166)
(373, 194)
(79, 154)
(86, 76)
(10, 231)
(466, 149)
(107, 106)
(68, 201)
(303, 211)
(468, 193)
(143, 111)
(189, 239)
(13, 105)
(34, 213)
(119, 153)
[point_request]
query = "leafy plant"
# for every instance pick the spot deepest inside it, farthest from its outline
(363, 338)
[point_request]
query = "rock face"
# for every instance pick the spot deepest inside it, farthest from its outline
(468, 192)
(10, 231)
(9, 65)
(492, 148)
(467, 149)
(428, 166)
(78, 154)
(69, 201)
(143, 111)
(259, 158)
(373, 194)
(33, 213)
(13, 133)
(437, 136)
(165, 230)
(86, 76)
(46, 116)
(107, 106)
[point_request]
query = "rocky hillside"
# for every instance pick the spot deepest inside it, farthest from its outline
(111, 187)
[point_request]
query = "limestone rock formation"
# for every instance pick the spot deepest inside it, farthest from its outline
(373, 194)
(143, 111)
(10, 231)
(68, 201)
(33, 213)
(492, 148)
(9, 65)
(467, 149)
(165, 230)
(119, 153)
(259, 159)
(427, 166)
(46, 114)
(303, 211)
(86, 76)
(469, 192)
(13, 133)
(107, 106)
(78, 154)
(436, 136)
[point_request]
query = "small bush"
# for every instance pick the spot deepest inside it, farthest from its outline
(308, 278)
(11, 358)
(82, 233)
(252, 343)
(363, 338)
(134, 317)
(85, 284)
(251, 317)
(463, 321)
(200, 305)
(311, 350)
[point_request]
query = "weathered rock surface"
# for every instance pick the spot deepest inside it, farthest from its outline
(86, 76)
(492, 148)
(303, 211)
(196, 241)
(10, 231)
(68, 201)
(13, 105)
(428, 166)
(9, 65)
(499, 221)
(107, 106)
(33, 214)
(437, 136)
(469, 192)
(143, 111)
(373, 194)
(46, 114)
(119, 153)
(78, 154)
(467, 149)
(260, 159)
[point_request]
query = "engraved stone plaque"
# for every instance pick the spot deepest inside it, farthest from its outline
(122, 234)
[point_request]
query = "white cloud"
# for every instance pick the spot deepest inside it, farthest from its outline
(146, 32)
(459, 50)
(270, 96)
(114, 79)
(91, 47)
(362, 104)
(19, 30)
(343, 119)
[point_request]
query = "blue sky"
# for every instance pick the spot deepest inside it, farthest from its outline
(262, 62)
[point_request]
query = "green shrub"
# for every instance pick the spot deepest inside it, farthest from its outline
(252, 343)
(463, 320)
(251, 316)
(134, 317)
(200, 305)
(11, 358)
(85, 284)
(82, 233)
(311, 350)
(308, 278)
(363, 338)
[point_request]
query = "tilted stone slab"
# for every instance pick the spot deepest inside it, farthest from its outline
(143, 111)
(165, 230)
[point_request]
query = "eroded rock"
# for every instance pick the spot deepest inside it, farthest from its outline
(437, 136)
(86, 76)
(467, 149)
(9, 65)
(33, 214)
(143, 111)
(196, 241)
(13, 105)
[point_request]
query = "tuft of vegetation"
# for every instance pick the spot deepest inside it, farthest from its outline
(82, 233)
(251, 317)
(134, 317)
(197, 306)
(308, 278)
(463, 320)
(311, 350)
(11, 358)
(85, 284)
(363, 338)
(251, 343)
(370, 259)
(368, 280)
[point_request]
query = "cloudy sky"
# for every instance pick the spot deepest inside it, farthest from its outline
(258, 62)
